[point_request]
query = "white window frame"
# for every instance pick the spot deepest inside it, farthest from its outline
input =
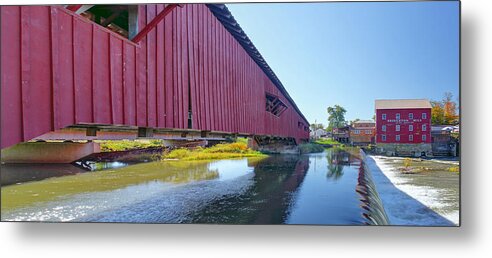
(383, 116)
(398, 116)
(424, 115)
(424, 127)
(424, 137)
(397, 138)
(383, 137)
(383, 128)
(410, 138)
(410, 128)
(410, 116)
(398, 128)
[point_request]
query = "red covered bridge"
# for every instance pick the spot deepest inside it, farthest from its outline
(113, 71)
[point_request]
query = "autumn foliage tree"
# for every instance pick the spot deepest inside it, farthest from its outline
(444, 111)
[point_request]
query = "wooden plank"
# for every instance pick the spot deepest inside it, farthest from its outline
(219, 97)
(175, 73)
(151, 70)
(160, 84)
(212, 75)
(129, 84)
(101, 77)
(116, 80)
(168, 67)
(184, 66)
(55, 60)
(11, 90)
(194, 65)
(179, 71)
(191, 65)
(82, 61)
(201, 53)
(228, 72)
(36, 71)
(142, 74)
(206, 65)
(25, 63)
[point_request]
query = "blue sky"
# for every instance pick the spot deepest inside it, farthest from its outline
(353, 53)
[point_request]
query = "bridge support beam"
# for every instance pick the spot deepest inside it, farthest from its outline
(274, 145)
(48, 152)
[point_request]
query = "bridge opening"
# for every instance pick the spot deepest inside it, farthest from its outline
(274, 105)
(121, 19)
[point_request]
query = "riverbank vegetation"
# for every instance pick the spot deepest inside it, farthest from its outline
(327, 141)
(219, 151)
(124, 145)
(417, 165)
(311, 148)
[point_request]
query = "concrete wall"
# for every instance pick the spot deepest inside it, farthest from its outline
(401, 149)
(48, 152)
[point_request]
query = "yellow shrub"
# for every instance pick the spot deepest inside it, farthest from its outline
(407, 162)
(454, 169)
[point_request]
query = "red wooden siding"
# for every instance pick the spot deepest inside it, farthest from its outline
(59, 69)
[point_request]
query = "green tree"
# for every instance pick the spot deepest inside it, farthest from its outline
(336, 116)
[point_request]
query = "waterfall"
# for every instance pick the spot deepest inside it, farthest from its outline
(372, 205)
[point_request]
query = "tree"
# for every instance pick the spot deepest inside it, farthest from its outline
(437, 117)
(449, 106)
(444, 111)
(336, 117)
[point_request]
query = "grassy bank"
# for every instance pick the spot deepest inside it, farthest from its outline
(219, 151)
(416, 165)
(124, 145)
(327, 141)
(310, 148)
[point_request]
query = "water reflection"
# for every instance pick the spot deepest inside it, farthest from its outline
(338, 159)
(267, 199)
(280, 189)
(50, 189)
(21, 173)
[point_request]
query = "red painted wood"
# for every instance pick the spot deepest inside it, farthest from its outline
(154, 22)
(61, 69)
(82, 40)
(141, 80)
(214, 118)
(101, 77)
(11, 90)
(116, 80)
(151, 71)
(185, 66)
(206, 67)
(168, 63)
(37, 92)
(74, 7)
(179, 72)
(63, 35)
(192, 48)
(160, 72)
(129, 85)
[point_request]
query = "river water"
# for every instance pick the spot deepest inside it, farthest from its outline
(322, 188)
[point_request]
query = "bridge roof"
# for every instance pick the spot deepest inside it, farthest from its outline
(222, 13)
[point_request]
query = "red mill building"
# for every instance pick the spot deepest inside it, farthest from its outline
(403, 127)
